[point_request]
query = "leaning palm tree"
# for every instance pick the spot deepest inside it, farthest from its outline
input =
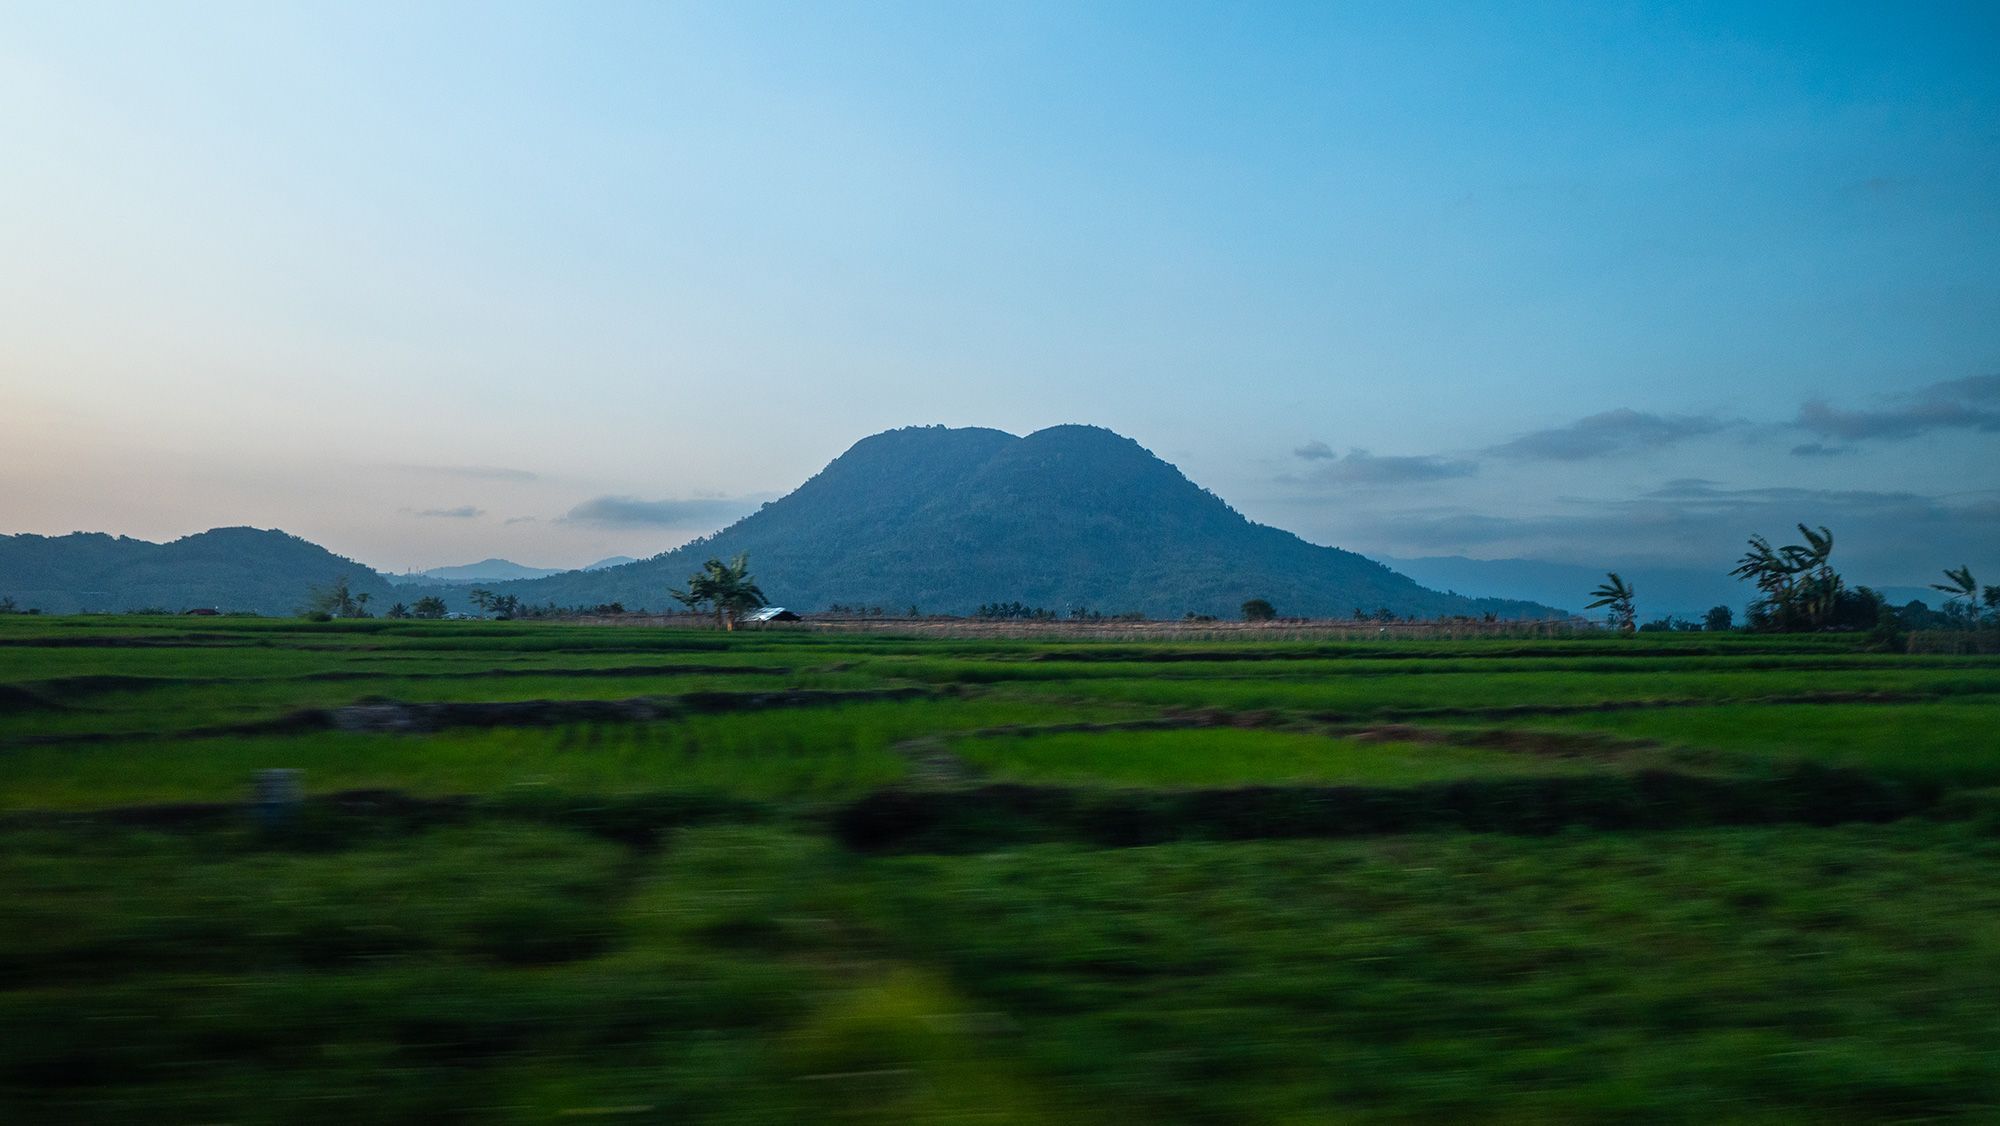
(1617, 595)
(1962, 586)
(1764, 566)
(1818, 592)
(726, 586)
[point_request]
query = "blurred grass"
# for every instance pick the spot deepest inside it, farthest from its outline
(803, 753)
(1695, 976)
(469, 974)
(706, 952)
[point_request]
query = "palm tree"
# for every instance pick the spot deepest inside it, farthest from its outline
(726, 586)
(1962, 586)
(1615, 594)
(481, 597)
(1800, 587)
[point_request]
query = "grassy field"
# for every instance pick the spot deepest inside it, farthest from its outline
(550, 871)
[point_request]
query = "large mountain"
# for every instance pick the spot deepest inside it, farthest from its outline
(948, 519)
(226, 568)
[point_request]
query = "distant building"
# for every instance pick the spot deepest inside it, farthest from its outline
(770, 614)
(204, 612)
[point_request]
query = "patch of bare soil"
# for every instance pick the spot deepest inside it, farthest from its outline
(933, 765)
(1548, 744)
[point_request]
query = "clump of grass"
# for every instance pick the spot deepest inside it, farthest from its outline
(1946, 742)
(114, 904)
(1721, 973)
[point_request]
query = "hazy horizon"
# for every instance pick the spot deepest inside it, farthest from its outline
(551, 284)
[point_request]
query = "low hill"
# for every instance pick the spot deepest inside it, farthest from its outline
(268, 572)
(947, 519)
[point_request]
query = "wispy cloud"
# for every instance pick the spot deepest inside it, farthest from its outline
(1610, 433)
(472, 472)
(1977, 388)
(1360, 467)
(462, 512)
(1314, 451)
(1957, 404)
(626, 511)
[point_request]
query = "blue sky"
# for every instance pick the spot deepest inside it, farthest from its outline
(425, 283)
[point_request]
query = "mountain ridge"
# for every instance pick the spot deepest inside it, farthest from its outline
(943, 519)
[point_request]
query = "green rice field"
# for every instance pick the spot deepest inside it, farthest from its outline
(545, 871)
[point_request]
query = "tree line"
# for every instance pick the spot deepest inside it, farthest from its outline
(1798, 591)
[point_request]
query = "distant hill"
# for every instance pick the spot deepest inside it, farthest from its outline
(494, 571)
(1685, 591)
(226, 568)
(948, 519)
(484, 571)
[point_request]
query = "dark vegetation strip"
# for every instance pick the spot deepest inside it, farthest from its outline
(1511, 711)
(173, 641)
(622, 670)
(1184, 718)
(330, 820)
(397, 717)
(54, 692)
(997, 815)
(1001, 815)
(363, 642)
(1412, 651)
